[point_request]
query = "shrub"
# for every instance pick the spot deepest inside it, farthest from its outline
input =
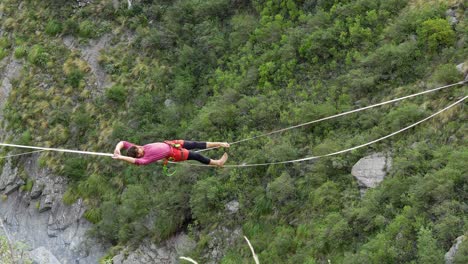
(4, 43)
(435, 34)
(20, 52)
(70, 196)
(70, 27)
(93, 215)
(3, 53)
(428, 251)
(446, 74)
(81, 119)
(38, 56)
(281, 189)
(396, 61)
(53, 27)
(74, 78)
(74, 168)
(28, 186)
(117, 93)
(206, 199)
(87, 29)
(9, 23)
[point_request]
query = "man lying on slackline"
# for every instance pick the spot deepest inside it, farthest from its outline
(173, 150)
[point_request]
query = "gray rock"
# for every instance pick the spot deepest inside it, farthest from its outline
(12, 71)
(371, 170)
(90, 53)
(41, 255)
(9, 176)
(53, 225)
(14, 186)
(36, 191)
(450, 255)
(232, 207)
(148, 252)
(452, 16)
(168, 102)
(221, 240)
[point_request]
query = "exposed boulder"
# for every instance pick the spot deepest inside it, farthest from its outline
(371, 170)
(450, 255)
(232, 207)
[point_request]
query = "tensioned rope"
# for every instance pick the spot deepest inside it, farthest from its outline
(58, 150)
(21, 154)
(262, 164)
(342, 114)
(338, 152)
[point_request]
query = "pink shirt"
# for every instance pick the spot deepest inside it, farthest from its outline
(153, 152)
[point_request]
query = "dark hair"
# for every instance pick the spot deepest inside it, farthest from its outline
(132, 152)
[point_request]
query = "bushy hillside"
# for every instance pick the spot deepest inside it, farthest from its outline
(224, 70)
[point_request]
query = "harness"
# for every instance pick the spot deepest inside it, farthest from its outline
(178, 153)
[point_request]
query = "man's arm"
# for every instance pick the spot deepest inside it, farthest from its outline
(118, 147)
(124, 158)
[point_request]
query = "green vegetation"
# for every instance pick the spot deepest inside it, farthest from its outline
(228, 70)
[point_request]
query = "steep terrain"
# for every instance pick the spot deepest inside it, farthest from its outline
(87, 74)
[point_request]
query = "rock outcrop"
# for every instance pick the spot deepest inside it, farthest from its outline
(232, 207)
(371, 170)
(450, 255)
(41, 220)
(43, 256)
(90, 53)
(10, 69)
(221, 240)
(167, 252)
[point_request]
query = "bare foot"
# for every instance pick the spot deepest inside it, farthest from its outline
(223, 159)
(220, 162)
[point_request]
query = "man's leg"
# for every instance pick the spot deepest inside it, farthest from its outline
(204, 145)
(198, 157)
(194, 145)
(217, 144)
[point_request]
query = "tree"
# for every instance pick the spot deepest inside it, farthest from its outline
(435, 34)
(428, 251)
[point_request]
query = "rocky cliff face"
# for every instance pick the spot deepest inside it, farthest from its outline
(49, 229)
(41, 220)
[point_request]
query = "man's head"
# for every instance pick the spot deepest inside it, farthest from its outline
(135, 152)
